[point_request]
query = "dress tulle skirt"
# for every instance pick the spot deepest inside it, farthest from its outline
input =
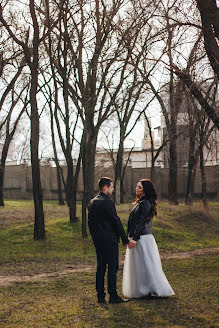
(143, 274)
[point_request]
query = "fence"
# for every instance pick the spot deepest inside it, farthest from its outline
(18, 181)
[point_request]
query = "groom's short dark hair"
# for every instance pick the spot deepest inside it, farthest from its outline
(104, 181)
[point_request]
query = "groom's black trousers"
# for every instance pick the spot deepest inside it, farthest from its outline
(107, 254)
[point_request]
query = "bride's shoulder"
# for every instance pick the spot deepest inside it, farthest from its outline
(145, 202)
(144, 199)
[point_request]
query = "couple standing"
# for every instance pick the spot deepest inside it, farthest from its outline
(142, 274)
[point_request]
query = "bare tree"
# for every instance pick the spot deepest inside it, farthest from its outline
(187, 80)
(30, 49)
(199, 132)
(124, 158)
(128, 109)
(204, 136)
(12, 86)
(64, 111)
(99, 60)
(154, 152)
(209, 13)
(10, 121)
(172, 20)
(49, 97)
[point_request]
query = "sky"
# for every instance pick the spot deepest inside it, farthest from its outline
(137, 134)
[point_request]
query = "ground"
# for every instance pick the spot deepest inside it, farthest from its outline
(52, 283)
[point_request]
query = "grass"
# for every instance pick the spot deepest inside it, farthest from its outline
(176, 228)
(70, 301)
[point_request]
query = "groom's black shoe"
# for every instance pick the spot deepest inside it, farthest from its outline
(101, 300)
(117, 299)
(101, 297)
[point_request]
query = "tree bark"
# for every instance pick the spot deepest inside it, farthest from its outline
(172, 183)
(9, 135)
(2, 168)
(194, 90)
(39, 226)
(58, 173)
(152, 150)
(58, 176)
(191, 166)
(71, 201)
(210, 26)
(202, 169)
(8, 139)
(118, 171)
(88, 163)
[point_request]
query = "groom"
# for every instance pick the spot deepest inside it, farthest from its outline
(106, 229)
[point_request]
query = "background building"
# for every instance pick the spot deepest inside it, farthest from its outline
(10, 160)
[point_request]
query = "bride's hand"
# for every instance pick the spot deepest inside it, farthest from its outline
(132, 244)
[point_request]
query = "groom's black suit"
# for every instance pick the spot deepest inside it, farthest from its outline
(106, 230)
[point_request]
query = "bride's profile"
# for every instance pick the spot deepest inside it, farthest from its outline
(143, 275)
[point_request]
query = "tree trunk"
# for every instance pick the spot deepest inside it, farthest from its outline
(203, 176)
(172, 183)
(152, 150)
(210, 15)
(70, 194)
(88, 163)
(190, 185)
(2, 169)
(153, 171)
(193, 178)
(58, 173)
(118, 173)
(59, 186)
(191, 165)
(39, 227)
(192, 188)
(122, 191)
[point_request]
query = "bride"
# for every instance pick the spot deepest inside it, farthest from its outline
(142, 274)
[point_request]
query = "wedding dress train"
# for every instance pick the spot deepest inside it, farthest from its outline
(143, 274)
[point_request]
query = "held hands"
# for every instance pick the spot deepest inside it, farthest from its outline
(132, 244)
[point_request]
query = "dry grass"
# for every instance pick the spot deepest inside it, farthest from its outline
(70, 301)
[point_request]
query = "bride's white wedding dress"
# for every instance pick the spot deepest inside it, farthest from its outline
(143, 274)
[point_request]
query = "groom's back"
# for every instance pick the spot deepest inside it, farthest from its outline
(100, 219)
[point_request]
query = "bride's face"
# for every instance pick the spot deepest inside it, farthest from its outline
(139, 189)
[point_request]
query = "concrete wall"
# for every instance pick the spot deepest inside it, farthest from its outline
(18, 182)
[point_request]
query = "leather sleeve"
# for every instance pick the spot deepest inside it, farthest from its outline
(116, 222)
(143, 217)
(91, 218)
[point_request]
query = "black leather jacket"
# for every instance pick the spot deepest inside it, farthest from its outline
(104, 224)
(140, 219)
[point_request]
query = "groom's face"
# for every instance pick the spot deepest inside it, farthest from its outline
(110, 189)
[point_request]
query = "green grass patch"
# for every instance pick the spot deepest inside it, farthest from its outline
(187, 227)
(175, 228)
(71, 301)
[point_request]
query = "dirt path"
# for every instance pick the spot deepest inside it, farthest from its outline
(188, 254)
(8, 280)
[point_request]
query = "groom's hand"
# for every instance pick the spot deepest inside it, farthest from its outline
(132, 244)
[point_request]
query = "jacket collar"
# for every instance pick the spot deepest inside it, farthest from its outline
(103, 195)
(143, 197)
